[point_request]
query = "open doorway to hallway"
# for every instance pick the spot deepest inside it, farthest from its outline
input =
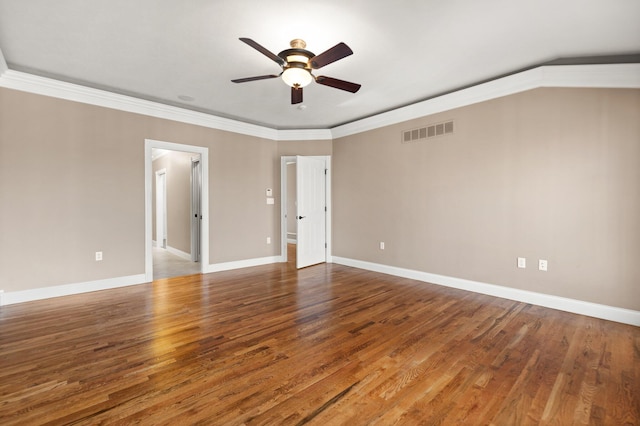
(176, 209)
(176, 212)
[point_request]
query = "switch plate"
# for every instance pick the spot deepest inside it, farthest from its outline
(381, 245)
(542, 265)
(98, 256)
(522, 262)
(268, 240)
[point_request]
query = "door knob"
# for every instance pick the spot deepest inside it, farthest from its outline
(301, 217)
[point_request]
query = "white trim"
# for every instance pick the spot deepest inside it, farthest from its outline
(70, 289)
(601, 75)
(1, 297)
(149, 144)
(3, 66)
(48, 87)
(594, 76)
(292, 241)
(237, 264)
(30, 83)
(304, 135)
(611, 313)
(179, 253)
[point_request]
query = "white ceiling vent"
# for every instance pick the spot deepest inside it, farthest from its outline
(438, 129)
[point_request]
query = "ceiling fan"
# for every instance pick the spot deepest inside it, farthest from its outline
(297, 64)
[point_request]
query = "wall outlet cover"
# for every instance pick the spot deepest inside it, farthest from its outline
(542, 265)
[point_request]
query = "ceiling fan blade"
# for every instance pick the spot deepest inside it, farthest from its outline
(263, 50)
(338, 84)
(260, 77)
(296, 95)
(337, 52)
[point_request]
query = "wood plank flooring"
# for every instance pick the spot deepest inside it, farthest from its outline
(326, 345)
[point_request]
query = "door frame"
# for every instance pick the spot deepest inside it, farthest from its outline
(149, 144)
(161, 176)
(283, 203)
(196, 208)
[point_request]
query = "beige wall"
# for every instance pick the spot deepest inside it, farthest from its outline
(72, 183)
(314, 147)
(547, 174)
(550, 173)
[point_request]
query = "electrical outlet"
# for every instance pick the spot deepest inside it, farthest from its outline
(381, 245)
(522, 262)
(98, 256)
(542, 265)
(268, 240)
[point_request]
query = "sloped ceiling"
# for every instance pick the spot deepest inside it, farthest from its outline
(404, 51)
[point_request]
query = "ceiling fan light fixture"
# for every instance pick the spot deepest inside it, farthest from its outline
(298, 58)
(297, 77)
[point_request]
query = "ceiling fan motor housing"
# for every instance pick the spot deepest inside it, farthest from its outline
(298, 58)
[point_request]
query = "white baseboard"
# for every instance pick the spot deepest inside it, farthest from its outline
(21, 296)
(12, 297)
(611, 313)
(227, 266)
(179, 253)
(292, 241)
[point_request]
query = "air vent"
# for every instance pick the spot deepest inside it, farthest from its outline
(431, 131)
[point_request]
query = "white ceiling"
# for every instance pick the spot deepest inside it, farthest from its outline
(404, 51)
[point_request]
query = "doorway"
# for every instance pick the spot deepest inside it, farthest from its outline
(312, 216)
(177, 243)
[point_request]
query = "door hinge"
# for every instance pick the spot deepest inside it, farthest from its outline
(325, 245)
(325, 208)
(325, 171)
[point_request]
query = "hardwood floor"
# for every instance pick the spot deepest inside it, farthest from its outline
(327, 345)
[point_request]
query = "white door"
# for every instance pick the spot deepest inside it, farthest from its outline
(161, 208)
(311, 211)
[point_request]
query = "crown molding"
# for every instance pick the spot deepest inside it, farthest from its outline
(304, 135)
(594, 76)
(588, 76)
(73, 92)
